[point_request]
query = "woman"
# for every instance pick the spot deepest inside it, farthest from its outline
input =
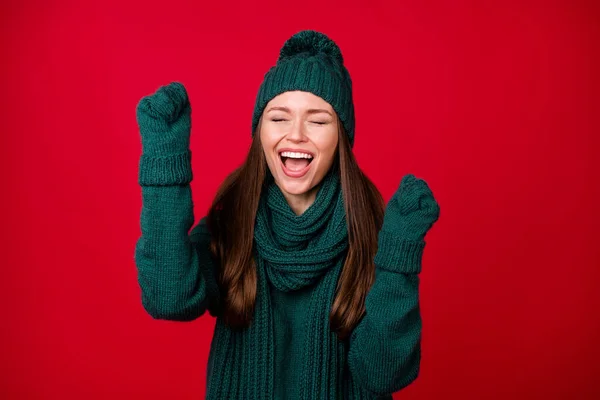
(314, 287)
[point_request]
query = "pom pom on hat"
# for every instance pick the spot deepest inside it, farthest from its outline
(311, 42)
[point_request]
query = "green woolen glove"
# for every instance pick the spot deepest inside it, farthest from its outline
(409, 215)
(411, 211)
(164, 120)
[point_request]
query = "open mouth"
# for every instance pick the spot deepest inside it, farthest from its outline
(295, 161)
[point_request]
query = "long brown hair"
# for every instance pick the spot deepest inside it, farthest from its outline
(231, 223)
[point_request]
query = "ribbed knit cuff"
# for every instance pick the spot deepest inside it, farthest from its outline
(398, 255)
(173, 169)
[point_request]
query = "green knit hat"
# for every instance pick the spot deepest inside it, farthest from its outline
(312, 62)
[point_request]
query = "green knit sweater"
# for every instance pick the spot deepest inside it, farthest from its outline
(177, 279)
(288, 351)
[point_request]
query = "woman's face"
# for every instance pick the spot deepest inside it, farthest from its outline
(299, 135)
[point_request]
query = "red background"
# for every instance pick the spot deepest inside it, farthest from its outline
(494, 104)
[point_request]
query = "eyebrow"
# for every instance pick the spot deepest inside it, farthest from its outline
(309, 111)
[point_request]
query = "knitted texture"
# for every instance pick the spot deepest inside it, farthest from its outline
(292, 252)
(164, 119)
(409, 215)
(177, 277)
(299, 260)
(299, 249)
(310, 61)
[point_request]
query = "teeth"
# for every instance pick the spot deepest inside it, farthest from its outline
(292, 154)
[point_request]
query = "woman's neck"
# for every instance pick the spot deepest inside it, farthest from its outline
(301, 202)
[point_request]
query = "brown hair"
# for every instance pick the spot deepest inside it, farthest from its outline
(231, 223)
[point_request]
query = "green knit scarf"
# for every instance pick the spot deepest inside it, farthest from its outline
(291, 252)
(297, 250)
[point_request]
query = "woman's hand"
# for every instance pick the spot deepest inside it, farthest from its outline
(412, 210)
(164, 120)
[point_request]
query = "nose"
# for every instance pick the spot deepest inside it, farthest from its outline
(297, 134)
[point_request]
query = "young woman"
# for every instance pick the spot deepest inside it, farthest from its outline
(314, 287)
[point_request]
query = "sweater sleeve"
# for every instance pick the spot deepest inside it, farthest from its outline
(385, 347)
(176, 272)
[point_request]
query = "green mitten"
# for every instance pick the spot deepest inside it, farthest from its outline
(409, 215)
(164, 120)
(412, 210)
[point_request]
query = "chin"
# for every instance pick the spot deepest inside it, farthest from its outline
(295, 187)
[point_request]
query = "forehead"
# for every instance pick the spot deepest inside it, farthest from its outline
(298, 99)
